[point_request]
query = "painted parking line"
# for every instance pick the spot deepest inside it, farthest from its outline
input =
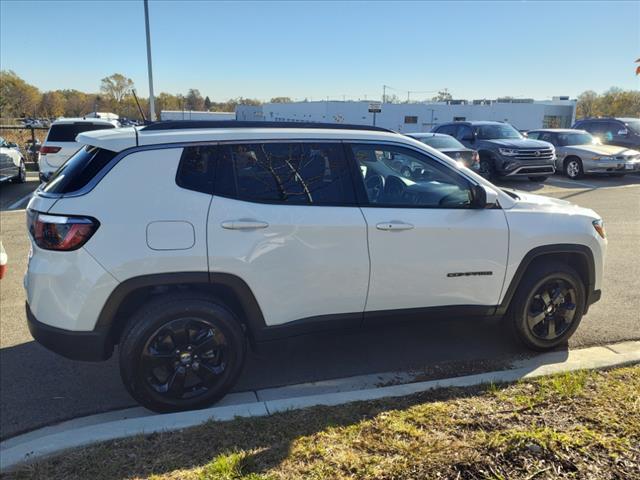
(20, 202)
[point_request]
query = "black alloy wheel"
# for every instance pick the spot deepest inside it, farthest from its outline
(184, 358)
(551, 310)
(548, 305)
(181, 351)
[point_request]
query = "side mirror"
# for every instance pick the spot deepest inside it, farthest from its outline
(623, 132)
(483, 197)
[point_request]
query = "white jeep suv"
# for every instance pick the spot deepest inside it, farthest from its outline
(61, 143)
(184, 242)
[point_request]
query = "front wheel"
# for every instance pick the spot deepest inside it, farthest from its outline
(548, 305)
(573, 168)
(181, 352)
(485, 167)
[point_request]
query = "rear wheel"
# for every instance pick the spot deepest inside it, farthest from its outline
(181, 352)
(573, 168)
(548, 305)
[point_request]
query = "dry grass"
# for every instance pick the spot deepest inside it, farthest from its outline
(583, 425)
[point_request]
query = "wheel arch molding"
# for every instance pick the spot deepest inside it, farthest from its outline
(580, 257)
(227, 289)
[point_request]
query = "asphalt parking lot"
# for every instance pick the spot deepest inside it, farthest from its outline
(39, 388)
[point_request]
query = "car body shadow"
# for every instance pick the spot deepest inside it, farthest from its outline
(40, 388)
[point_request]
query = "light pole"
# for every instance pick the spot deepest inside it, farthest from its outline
(152, 104)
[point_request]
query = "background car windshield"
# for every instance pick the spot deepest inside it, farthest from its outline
(442, 142)
(490, 132)
(565, 139)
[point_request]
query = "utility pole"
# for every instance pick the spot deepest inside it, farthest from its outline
(152, 104)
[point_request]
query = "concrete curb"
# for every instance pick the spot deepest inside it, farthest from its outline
(138, 421)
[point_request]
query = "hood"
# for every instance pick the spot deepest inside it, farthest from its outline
(518, 143)
(530, 201)
(609, 150)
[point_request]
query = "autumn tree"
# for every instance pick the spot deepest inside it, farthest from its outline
(116, 87)
(17, 97)
(52, 104)
(167, 101)
(587, 104)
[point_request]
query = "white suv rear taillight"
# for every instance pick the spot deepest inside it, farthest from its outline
(60, 232)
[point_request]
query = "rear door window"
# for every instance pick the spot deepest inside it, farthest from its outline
(67, 132)
(285, 173)
(79, 170)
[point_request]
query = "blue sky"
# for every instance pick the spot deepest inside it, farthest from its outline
(327, 49)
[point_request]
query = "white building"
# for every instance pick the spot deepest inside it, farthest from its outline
(195, 115)
(419, 117)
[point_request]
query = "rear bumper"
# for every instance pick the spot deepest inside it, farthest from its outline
(89, 346)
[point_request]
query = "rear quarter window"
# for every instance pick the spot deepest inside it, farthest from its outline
(67, 132)
(79, 170)
(196, 169)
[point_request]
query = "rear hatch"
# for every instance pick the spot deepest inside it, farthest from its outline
(61, 143)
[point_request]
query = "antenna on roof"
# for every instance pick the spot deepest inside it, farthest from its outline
(135, 97)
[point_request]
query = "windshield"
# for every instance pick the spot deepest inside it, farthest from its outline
(566, 139)
(634, 125)
(494, 132)
(442, 142)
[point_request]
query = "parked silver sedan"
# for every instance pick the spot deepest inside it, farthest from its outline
(579, 153)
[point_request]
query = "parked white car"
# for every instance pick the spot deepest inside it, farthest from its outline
(61, 143)
(12, 167)
(185, 241)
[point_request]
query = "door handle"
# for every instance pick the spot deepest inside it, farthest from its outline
(243, 225)
(394, 226)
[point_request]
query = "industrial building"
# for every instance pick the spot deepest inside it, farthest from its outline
(524, 114)
(195, 115)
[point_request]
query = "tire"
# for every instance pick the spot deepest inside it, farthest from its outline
(163, 349)
(528, 305)
(486, 167)
(572, 168)
(22, 174)
(538, 179)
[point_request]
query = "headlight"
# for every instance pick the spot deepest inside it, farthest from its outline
(510, 152)
(599, 226)
(609, 159)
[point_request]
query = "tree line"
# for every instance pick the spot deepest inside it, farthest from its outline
(19, 99)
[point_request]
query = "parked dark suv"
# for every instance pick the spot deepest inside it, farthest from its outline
(624, 132)
(503, 150)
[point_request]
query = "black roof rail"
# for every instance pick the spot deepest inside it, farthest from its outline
(186, 124)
